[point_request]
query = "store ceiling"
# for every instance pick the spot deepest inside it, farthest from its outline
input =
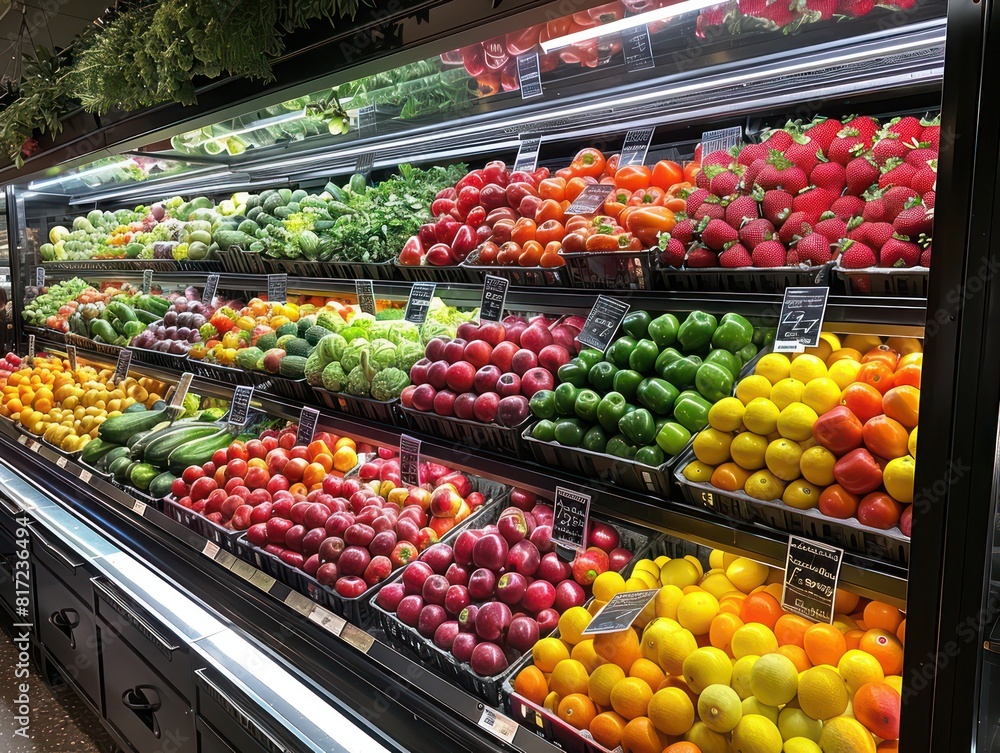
(50, 24)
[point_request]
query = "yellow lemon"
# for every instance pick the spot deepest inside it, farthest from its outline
(831, 338)
(822, 693)
(862, 343)
(584, 653)
(822, 395)
(671, 711)
(753, 639)
(679, 572)
(653, 634)
(786, 391)
(807, 367)
(717, 584)
(675, 648)
(698, 472)
(752, 387)
(720, 708)
(752, 706)
(859, 668)
(666, 601)
(822, 350)
(816, 465)
(569, 676)
(630, 697)
(572, 623)
(794, 722)
(740, 681)
(696, 611)
(607, 584)
(801, 495)
(548, 652)
(716, 558)
(796, 422)
(898, 478)
(707, 666)
(844, 372)
(761, 416)
(602, 680)
(801, 745)
(748, 450)
(782, 457)
(706, 740)
(711, 446)
(697, 564)
(746, 574)
(846, 735)
(774, 679)
(911, 443)
(774, 367)
(764, 485)
(726, 415)
(756, 734)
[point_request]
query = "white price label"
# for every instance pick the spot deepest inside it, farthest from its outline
(22, 439)
(35, 447)
(31, 347)
(61, 462)
(139, 508)
(183, 385)
(327, 620)
(277, 288)
(497, 724)
(85, 476)
(210, 549)
(121, 368)
(147, 281)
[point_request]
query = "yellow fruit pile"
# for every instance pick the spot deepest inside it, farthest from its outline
(66, 407)
(715, 663)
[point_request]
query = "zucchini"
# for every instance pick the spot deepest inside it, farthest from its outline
(160, 486)
(146, 317)
(161, 431)
(104, 462)
(158, 451)
(135, 408)
(199, 451)
(119, 429)
(119, 467)
(95, 450)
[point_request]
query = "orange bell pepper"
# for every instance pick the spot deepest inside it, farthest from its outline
(551, 256)
(611, 166)
(531, 254)
(634, 177)
(666, 173)
(549, 231)
(616, 201)
(552, 188)
(550, 209)
(524, 231)
(691, 170)
(647, 197)
(648, 222)
(588, 163)
(576, 185)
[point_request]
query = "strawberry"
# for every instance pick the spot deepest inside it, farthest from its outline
(856, 255)
(813, 202)
(718, 157)
(756, 232)
(907, 128)
(875, 209)
(888, 147)
(866, 127)
(823, 131)
(813, 249)
(914, 221)
(920, 156)
(768, 254)
(848, 206)
(776, 206)
(703, 179)
(673, 254)
(780, 172)
(899, 253)
(833, 228)
(873, 234)
(742, 209)
(683, 231)
(724, 182)
(802, 153)
(896, 173)
(929, 198)
(717, 233)
(694, 200)
(925, 257)
(797, 225)
(791, 258)
(932, 133)
(711, 209)
(855, 8)
(860, 173)
(751, 152)
(736, 255)
(778, 140)
(846, 146)
(751, 173)
(897, 199)
(700, 257)
(924, 179)
(829, 176)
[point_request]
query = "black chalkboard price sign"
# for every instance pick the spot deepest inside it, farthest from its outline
(419, 302)
(239, 411)
(570, 515)
(603, 321)
(812, 571)
(619, 613)
(365, 290)
(801, 319)
(494, 298)
(409, 460)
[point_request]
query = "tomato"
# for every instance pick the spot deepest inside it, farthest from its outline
(863, 400)
(730, 477)
(488, 253)
(858, 472)
(646, 223)
(524, 230)
(882, 353)
(552, 255)
(552, 188)
(509, 253)
(548, 231)
(838, 430)
(574, 243)
(876, 374)
(879, 510)
(907, 375)
(666, 174)
(549, 209)
(837, 502)
(691, 170)
(588, 163)
(886, 437)
(902, 403)
(634, 177)
(615, 203)
(575, 186)
(531, 254)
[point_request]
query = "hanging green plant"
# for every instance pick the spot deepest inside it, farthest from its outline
(296, 14)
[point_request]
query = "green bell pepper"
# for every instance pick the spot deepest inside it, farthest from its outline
(660, 422)
(586, 404)
(602, 376)
(663, 330)
(620, 351)
(657, 395)
(650, 455)
(667, 357)
(590, 357)
(595, 439)
(764, 336)
(574, 372)
(544, 430)
(673, 438)
(734, 332)
(681, 372)
(611, 409)
(726, 360)
(643, 357)
(696, 331)
(620, 447)
(543, 404)
(691, 412)
(713, 382)
(636, 324)
(570, 431)
(565, 398)
(748, 353)
(639, 426)
(627, 382)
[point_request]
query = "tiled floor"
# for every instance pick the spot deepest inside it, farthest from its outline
(58, 720)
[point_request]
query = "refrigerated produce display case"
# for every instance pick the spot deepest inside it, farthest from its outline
(400, 373)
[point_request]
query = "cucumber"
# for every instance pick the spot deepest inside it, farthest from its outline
(199, 451)
(135, 408)
(95, 450)
(104, 462)
(119, 429)
(158, 451)
(120, 467)
(159, 487)
(165, 429)
(146, 317)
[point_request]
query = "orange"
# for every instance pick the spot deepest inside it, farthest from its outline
(761, 607)
(720, 634)
(886, 649)
(530, 683)
(552, 702)
(790, 628)
(901, 632)
(569, 676)
(630, 697)
(607, 729)
(824, 644)
(732, 602)
(882, 616)
(876, 705)
(640, 736)
(548, 652)
(621, 648)
(853, 638)
(797, 655)
(577, 710)
(313, 474)
(584, 653)
(344, 442)
(888, 746)
(648, 671)
(602, 680)
(682, 748)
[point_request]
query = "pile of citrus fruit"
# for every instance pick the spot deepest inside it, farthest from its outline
(834, 428)
(714, 665)
(66, 407)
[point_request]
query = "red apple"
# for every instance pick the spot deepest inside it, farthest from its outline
(522, 634)
(536, 337)
(414, 576)
(481, 584)
(536, 380)
(435, 348)
(423, 397)
(492, 620)
(491, 332)
(512, 410)
(478, 353)
(465, 406)
(553, 356)
(445, 635)
(444, 403)
(602, 536)
(539, 595)
(464, 645)
(437, 374)
(409, 608)
(509, 384)
(454, 349)
(490, 551)
(434, 589)
(390, 595)
(523, 557)
(418, 372)
(523, 360)
(503, 355)
(547, 620)
(486, 379)
(569, 594)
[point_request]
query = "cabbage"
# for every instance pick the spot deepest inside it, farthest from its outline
(400, 332)
(331, 320)
(389, 384)
(357, 382)
(334, 378)
(382, 354)
(351, 356)
(363, 320)
(353, 333)
(407, 354)
(430, 330)
(331, 347)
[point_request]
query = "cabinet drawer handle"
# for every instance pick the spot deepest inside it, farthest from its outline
(144, 702)
(56, 552)
(66, 620)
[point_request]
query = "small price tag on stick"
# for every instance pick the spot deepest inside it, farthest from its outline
(183, 385)
(71, 356)
(121, 368)
(529, 75)
(570, 515)
(637, 49)
(365, 290)
(239, 411)
(31, 347)
(812, 571)
(40, 277)
(620, 612)
(494, 298)
(419, 302)
(527, 154)
(308, 418)
(211, 286)
(364, 164)
(409, 460)
(590, 199)
(636, 147)
(801, 319)
(147, 281)
(277, 288)
(603, 321)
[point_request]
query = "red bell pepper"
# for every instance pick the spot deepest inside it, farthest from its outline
(474, 60)
(496, 172)
(838, 430)
(647, 197)
(858, 472)
(468, 198)
(475, 178)
(520, 42)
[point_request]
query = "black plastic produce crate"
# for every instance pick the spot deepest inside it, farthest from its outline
(748, 280)
(87, 344)
(337, 270)
(224, 537)
(456, 273)
(227, 374)
(160, 360)
(293, 389)
(612, 270)
(910, 283)
(51, 335)
(201, 265)
(243, 262)
(383, 412)
(472, 434)
(532, 277)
